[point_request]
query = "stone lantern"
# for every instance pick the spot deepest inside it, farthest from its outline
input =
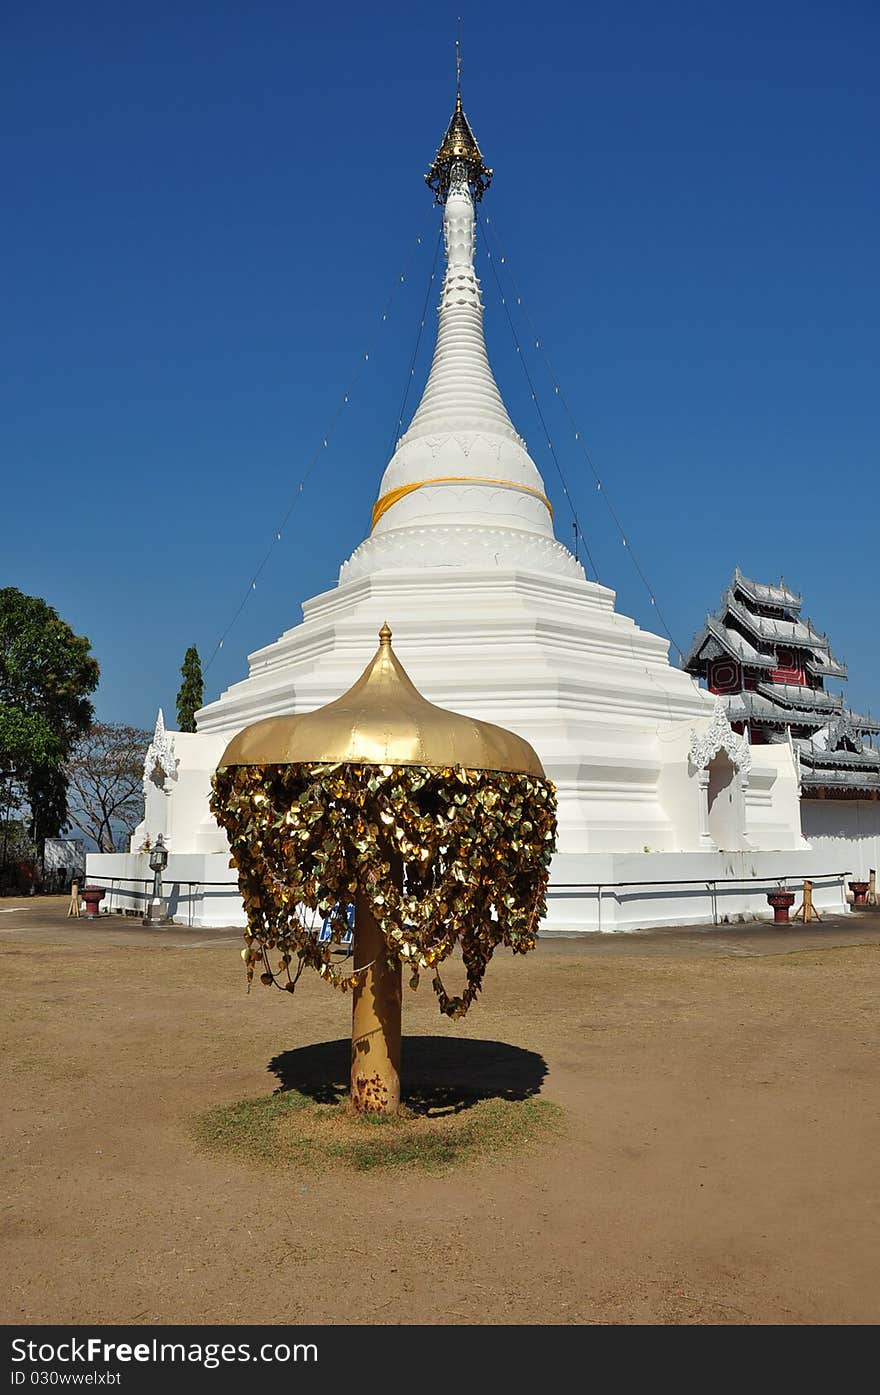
(157, 906)
(439, 827)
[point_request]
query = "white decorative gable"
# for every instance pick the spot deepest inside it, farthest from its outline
(160, 762)
(720, 736)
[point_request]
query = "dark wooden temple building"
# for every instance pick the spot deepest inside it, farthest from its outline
(771, 666)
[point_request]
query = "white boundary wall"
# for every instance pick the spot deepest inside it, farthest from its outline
(602, 891)
(844, 831)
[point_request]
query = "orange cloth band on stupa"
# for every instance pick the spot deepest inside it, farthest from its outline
(393, 496)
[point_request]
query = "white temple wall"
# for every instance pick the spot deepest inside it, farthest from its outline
(201, 888)
(600, 891)
(844, 833)
(772, 800)
(678, 788)
(127, 873)
(635, 891)
(769, 800)
(178, 808)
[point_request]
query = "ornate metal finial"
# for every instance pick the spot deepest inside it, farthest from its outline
(458, 147)
(385, 636)
(458, 62)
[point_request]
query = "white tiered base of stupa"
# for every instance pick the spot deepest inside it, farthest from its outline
(544, 655)
(549, 657)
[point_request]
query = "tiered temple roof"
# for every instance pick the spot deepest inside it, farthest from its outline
(769, 664)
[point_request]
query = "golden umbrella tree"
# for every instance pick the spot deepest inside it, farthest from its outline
(439, 827)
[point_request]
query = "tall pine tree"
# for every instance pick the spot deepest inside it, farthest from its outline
(189, 698)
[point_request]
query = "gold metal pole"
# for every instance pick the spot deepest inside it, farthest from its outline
(375, 1020)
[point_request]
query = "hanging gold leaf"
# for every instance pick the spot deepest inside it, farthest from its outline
(475, 848)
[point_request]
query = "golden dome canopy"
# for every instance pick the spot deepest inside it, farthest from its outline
(383, 720)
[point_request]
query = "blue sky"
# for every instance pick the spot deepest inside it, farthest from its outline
(208, 204)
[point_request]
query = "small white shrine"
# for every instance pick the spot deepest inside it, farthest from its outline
(666, 815)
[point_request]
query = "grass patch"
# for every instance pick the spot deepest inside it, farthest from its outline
(288, 1129)
(249, 1127)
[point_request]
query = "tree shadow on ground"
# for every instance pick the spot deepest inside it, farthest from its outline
(440, 1075)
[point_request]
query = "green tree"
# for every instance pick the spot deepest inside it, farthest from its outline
(46, 675)
(189, 698)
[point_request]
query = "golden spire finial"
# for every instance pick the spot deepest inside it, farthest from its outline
(385, 636)
(458, 146)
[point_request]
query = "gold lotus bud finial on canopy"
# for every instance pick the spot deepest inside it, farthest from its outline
(383, 720)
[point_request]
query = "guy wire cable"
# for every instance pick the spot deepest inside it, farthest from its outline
(322, 446)
(579, 532)
(577, 435)
(412, 363)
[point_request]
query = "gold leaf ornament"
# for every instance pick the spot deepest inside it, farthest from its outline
(475, 847)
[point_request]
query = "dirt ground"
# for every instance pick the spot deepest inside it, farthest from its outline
(719, 1163)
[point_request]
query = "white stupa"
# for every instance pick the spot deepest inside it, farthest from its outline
(493, 616)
